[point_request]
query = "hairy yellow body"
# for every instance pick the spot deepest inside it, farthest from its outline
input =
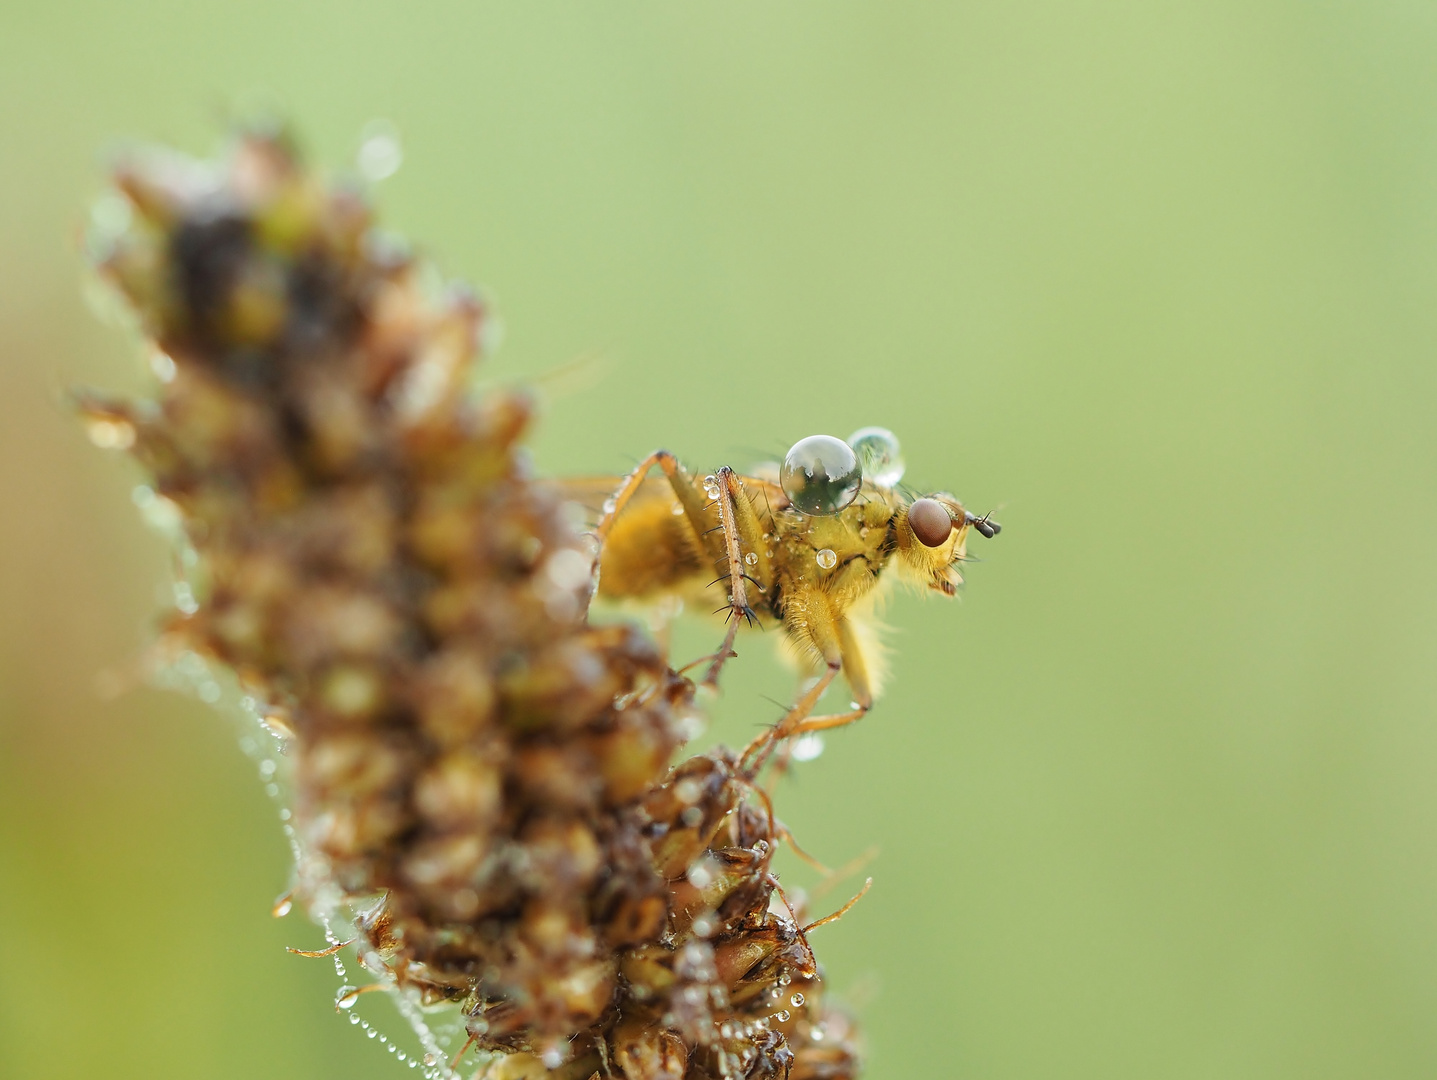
(818, 576)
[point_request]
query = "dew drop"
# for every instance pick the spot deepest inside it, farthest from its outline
(354, 1018)
(678, 510)
(347, 996)
(610, 505)
(782, 1016)
(827, 560)
(879, 455)
(380, 152)
(282, 906)
(751, 558)
(162, 365)
(797, 1001)
(821, 475)
(430, 1059)
(807, 747)
(110, 433)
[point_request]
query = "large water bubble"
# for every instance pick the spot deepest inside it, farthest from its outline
(821, 475)
(879, 455)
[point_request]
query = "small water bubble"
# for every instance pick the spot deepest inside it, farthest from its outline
(162, 366)
(568, 569)
(188, 605)
(282, 907)
(110, 433)
(380, 152)
(692, 816)
(782, 1016)
(272, 790)
(751, 558)
(807, 747)
(879, 455)
(704, 926)
(678, 510)
(430, 1059)
(827, 560)
(266, 768)
(346, 997)
(552, 1057)
(700, 875)
(797, 1000)
(370, 1032)
(354, 1018)
(610, 505)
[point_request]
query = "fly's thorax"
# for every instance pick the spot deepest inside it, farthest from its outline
(815, 549)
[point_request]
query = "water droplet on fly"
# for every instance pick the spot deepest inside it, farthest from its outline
(807, 747)
(879, 455)
(162, 366)
(380, 152)
(751, 558)
(110, 433)
(609, 505)
(827, 559)
(821, 475)
(678, 510)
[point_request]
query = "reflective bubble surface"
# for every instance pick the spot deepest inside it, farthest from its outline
(821, 475)
(879, 455)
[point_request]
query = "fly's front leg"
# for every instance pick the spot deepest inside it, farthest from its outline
(738, 521)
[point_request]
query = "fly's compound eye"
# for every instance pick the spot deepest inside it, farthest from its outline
(930, 522)
(821, 475)
(879, 455)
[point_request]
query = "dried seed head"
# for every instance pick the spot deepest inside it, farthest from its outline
(384, 576)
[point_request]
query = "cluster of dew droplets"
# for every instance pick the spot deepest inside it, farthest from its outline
(264, 740)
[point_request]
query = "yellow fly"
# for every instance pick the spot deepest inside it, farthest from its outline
(805, 546)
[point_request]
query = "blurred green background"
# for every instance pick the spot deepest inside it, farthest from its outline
(1158, 799)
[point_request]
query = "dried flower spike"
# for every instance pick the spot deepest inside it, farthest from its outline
(480, 775)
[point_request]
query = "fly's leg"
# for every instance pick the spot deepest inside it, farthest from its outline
(614, 505)
(841, 650)
(679, 480)
(737, 519)
(732, 504)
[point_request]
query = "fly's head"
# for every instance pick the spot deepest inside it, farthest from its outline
(932, 539)
(824, 477)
